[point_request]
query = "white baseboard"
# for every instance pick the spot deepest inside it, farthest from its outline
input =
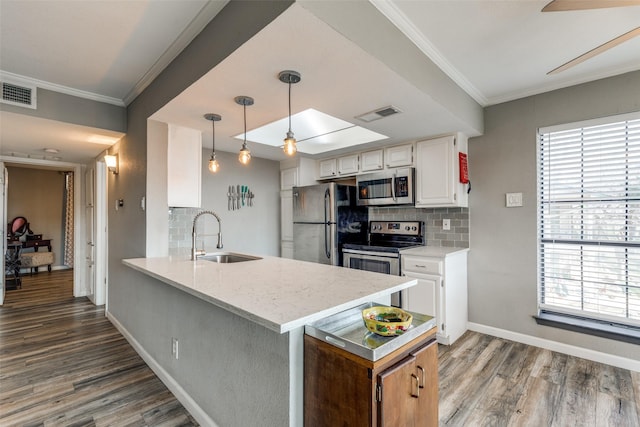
(194, 409)
(585, 353)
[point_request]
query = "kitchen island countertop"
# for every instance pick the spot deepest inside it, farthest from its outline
(278, 293)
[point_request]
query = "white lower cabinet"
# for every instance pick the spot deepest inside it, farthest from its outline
(441, 290)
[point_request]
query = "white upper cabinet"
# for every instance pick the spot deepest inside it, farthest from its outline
(372, 160)
(184, 167)
(288, 178)
(349, 165)
(437, 172)
(328, 168)
(400, 155)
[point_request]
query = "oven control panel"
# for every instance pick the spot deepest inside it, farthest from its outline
(407, 228)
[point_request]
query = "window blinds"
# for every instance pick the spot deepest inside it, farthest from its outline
(589, 220)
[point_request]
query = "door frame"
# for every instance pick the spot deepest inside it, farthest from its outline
(79, 268)
(3, 218)
(100, 211)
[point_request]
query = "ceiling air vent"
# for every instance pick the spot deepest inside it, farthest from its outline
(20, 95)
(379, 114)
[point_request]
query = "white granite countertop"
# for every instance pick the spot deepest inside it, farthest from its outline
(432, 251)
(277, 293)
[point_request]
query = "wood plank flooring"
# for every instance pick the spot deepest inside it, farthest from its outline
(487, 381)
(62, 363)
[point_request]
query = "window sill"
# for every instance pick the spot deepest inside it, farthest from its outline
(583, 325)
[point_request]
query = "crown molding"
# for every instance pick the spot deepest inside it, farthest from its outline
(404, 24)
(206, 14)
(16, 78)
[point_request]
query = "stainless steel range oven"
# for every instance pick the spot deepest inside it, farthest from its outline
(381, 254)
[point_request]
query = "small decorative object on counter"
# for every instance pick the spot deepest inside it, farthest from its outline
(238, 196)
(386, 321)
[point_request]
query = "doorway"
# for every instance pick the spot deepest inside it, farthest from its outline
(76, 214)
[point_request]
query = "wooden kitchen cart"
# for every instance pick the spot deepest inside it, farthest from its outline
(344, 389)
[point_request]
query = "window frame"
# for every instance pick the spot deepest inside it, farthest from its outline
(578, 320)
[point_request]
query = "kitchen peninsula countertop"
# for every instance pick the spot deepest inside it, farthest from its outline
(278, 293)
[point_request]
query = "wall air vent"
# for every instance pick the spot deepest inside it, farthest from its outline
(379, 113)
(19, 95)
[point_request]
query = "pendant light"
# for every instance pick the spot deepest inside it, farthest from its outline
(245, 155)
(214, 166)
(290, 77)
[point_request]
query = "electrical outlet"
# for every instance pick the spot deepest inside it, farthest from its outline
(446, 224)
(175, 348)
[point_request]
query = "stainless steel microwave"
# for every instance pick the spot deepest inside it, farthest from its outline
(386, 188)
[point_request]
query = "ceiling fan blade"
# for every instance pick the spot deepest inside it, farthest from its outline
(598, 50)
(565, 5)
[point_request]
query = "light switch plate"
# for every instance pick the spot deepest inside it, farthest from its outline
(513, 200)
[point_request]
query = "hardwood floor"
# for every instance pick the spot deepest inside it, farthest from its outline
(62, 363)
(487, 381)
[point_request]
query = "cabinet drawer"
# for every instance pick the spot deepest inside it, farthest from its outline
(422, 265)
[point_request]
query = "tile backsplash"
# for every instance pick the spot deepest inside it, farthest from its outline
(181, 221)
(180, 225)
(457, 237)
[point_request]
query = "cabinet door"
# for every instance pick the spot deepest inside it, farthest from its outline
(348, 165)
(288, 178)
(435, 183)
(372, 160)
(400, 387)
(426, 362)
(421, 298)
(409, 395)
(328, 168)
(401, 155)
(184, 167)
(286, 215)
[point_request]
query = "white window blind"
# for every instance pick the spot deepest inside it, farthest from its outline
(589, 220)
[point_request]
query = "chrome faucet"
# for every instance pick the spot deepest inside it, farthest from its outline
(194, 253)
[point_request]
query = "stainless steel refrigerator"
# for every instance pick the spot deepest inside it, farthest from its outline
(325, 216)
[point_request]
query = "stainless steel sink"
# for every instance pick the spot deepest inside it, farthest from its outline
(227, 257)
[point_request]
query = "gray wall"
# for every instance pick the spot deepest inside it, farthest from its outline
(502, 260)
(37, 195)
(71, 109)
(235, 24)
(224, 358)
(253, 229)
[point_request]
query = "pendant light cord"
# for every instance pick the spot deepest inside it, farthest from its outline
(289, 104)
(213, 128)
(245, 125)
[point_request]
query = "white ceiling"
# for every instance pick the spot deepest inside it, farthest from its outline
(110, 50)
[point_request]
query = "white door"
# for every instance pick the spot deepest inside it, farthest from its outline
(90, 234)
(3, 215)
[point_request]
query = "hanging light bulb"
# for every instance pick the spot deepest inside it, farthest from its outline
(214, 166)
(290, 77)
(245, 155)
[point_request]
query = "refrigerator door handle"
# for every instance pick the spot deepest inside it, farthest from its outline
(326, 223)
